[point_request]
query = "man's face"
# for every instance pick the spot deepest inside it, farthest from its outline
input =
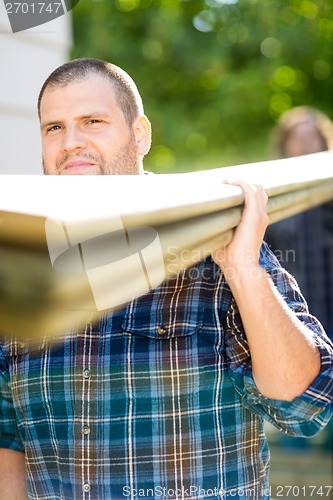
(84, 131)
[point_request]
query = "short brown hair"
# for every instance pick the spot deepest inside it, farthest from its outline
(126, 91)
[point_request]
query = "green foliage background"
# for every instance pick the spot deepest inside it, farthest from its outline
(214, 75)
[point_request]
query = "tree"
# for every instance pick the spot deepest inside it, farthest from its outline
(214, 74)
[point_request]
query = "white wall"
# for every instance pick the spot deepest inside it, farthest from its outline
(26, 59)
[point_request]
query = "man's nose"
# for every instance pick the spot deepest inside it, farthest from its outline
(74, 139)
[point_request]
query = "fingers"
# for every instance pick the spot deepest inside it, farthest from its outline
(255, 199)
(249, 188)
(244, 249)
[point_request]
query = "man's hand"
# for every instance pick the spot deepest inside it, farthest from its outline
(242, 254)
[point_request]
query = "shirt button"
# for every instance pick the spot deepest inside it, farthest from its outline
(86, 487)
(86, 373)
(85, 430)
(161, 330)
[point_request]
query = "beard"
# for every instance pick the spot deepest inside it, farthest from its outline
(126, 162)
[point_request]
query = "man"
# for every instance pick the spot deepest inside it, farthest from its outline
(166, 397)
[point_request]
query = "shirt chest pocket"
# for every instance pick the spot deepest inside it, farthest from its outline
(168, 358)
(176, 324)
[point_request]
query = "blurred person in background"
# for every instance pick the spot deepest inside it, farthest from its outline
(304, 242)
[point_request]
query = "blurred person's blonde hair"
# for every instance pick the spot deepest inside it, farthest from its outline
(298, 116)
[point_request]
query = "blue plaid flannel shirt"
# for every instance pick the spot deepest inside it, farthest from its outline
(157, 400)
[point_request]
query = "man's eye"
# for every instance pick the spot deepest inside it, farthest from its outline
(94, 121)
(53, 128)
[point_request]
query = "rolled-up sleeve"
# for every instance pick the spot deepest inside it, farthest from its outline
(307, 414)
(9, 432)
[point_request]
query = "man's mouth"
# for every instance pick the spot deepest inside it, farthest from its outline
(76, 165)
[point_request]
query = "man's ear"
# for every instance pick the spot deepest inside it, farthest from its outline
(142, 132)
